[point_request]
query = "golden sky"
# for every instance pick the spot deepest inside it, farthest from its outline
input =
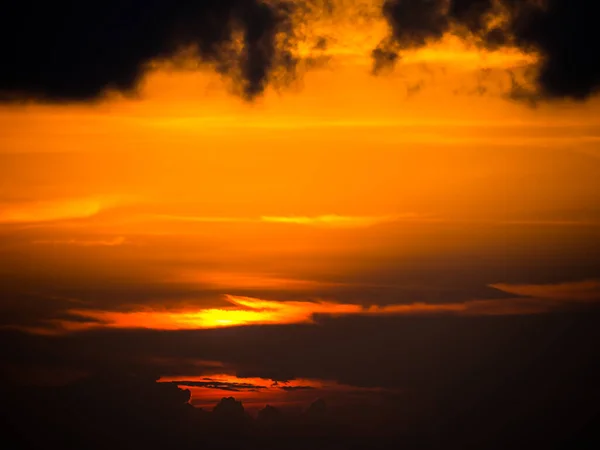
(390, 204)
(425, 188)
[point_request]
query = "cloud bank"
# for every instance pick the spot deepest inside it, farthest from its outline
(77, 51)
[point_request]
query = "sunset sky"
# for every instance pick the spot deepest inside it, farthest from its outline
(454, 182)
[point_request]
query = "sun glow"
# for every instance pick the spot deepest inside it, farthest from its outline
(255, 311)
(244, 311)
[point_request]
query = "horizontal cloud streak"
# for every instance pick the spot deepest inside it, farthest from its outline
(326, 220)
(114, 242)
(333, 220)
(532, 299)
(588, 290)
(49, 211)
(23, 212)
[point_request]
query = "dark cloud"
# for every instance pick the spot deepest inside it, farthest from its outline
(222, 385)
(563, 32)
(71, 51)
(491, 382)
(296, 388)
(394, 352)
(76, 51)
(414, 22)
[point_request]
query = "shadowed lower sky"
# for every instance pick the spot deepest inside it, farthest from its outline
(380, 203)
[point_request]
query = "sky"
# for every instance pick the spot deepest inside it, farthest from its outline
(292, 200)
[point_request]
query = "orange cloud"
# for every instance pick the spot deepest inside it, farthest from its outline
(49, 211)
(331, 220)
(534, 299)
(114, 242)
(256, 392)
(325, 220)
(53, 210)
(244, 311)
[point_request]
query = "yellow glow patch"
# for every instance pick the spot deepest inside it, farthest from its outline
(253, 311)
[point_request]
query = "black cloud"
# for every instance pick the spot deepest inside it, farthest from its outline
(74, 51)
(222, 385)
(296, 388)
(563, 32)
(68, 50)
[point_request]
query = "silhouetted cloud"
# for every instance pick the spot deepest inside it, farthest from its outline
(72, 51)
(69, 51)
(269, 414)
(225, 386)
(229, 406)
(563, 32)
(297, 388)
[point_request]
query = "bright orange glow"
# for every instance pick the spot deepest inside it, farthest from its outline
(253, 311)
(247, 311)
(331, 220)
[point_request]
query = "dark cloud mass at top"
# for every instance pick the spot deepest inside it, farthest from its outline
(69, 50)
(563, 32)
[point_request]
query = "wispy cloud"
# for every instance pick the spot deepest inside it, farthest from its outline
(228, 280)
(113, 242)
(55, 210)
(334, 220)
(325, 220)
(365, 221)
(583, 291)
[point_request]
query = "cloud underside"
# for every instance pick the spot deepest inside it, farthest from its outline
(69, 51)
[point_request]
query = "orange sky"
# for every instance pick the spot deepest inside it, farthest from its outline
(186, 194)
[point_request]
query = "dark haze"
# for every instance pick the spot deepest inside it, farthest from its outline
(467, 383)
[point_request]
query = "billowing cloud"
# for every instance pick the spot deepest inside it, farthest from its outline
(65, 51)
(562, 32)
(104, 46)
